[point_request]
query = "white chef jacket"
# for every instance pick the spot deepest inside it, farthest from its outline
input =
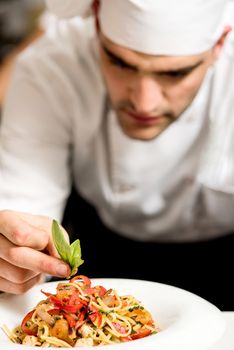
(57, 127)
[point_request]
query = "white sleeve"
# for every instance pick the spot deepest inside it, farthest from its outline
(35, 144)
(69, 8)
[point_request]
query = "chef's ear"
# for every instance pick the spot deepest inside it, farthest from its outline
(220, 43)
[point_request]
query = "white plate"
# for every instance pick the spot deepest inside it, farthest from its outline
(187, 322)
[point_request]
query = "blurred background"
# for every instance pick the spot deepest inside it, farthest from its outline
(20, 25)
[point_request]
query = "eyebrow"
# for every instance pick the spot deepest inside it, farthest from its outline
(125, 64)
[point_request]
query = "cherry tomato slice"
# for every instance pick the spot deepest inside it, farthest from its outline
(86, 281)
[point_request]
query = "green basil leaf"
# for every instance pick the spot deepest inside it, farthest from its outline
(76, 260)
(76, 248)
(70, 254)
(63, 248)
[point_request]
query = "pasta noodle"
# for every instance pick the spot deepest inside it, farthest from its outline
(82, 315)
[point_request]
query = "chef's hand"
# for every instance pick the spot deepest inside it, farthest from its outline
(26, 252)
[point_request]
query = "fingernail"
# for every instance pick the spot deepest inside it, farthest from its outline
(62, 270)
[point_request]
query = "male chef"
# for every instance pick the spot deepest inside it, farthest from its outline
(117, 99)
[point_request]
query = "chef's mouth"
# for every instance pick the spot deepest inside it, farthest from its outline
(145, 118)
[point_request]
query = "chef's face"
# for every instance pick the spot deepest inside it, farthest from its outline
(150, 92)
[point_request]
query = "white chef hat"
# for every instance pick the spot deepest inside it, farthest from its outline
(157, 27)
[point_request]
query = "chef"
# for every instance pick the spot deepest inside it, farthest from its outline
(118, 99)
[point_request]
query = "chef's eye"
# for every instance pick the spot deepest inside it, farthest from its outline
(176, 74)
(120, 64)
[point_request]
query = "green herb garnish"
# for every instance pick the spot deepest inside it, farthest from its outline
(136, 307)
(105, 312)
(71, 254)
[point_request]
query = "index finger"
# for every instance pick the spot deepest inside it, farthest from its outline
(32, 260)
(21, 232)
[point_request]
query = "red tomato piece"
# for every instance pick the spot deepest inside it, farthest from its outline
(71, 321)
(75, 300)
(96, 318)
(54, 312)
(81, 319)
(54, 300)
(140, 334)
(97, 289)
(46, 294)
(86, 281)
(24, 327)
(70, 308)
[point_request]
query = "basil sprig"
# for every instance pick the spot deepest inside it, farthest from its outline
(69, 253)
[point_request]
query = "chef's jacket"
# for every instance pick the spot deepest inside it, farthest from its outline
(58, 128)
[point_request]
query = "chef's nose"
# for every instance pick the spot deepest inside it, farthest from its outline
(146, 94)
